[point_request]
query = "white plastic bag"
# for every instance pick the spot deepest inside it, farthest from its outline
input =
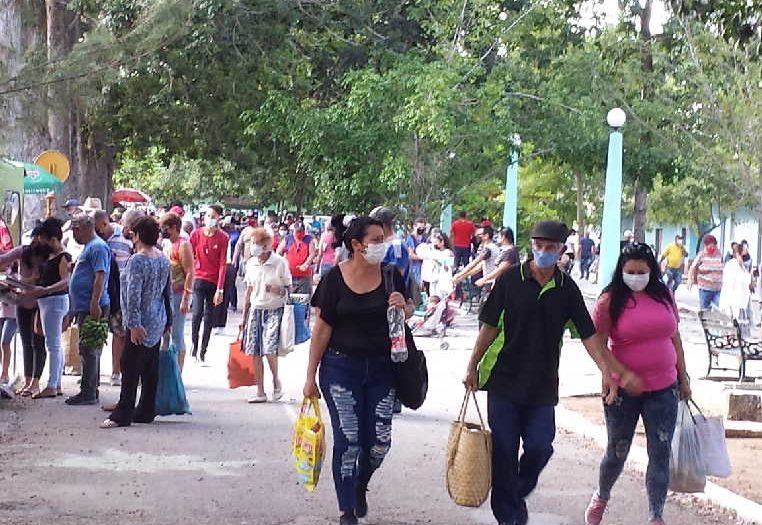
(687, 467)
(711, 433)
(287, 331)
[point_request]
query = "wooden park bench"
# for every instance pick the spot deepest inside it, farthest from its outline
(724, 336)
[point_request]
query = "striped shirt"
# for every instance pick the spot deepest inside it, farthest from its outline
(120, 246)
(709, 271)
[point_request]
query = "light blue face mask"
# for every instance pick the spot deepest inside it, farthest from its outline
(544, 259)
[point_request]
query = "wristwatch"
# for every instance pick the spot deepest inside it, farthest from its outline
(220, 290)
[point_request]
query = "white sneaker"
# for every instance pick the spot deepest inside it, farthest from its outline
(6, 392)
(116, 379)
(258, 399)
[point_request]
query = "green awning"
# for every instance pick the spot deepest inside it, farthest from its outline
(38, 180)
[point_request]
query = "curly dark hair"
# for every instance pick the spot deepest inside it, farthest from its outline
(147, 230)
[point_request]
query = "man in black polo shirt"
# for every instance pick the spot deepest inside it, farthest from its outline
(534, 301)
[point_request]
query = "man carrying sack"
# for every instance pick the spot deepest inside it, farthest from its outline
(535, 301)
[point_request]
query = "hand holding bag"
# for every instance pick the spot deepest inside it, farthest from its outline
(711, 434)
(411, 375)
(469, 459)
(287, 331)
(308, 445)
(240, 366)
(687, 468)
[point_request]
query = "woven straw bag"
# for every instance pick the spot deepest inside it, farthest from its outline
(469, 459)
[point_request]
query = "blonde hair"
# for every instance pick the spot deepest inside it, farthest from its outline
(261, 234)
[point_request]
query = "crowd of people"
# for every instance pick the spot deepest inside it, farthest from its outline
(142, 274)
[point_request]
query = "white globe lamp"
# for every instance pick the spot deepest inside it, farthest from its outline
(616, 118)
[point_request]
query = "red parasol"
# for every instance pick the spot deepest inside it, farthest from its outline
(129, 195)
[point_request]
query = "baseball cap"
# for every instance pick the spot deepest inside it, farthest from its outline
(550, 230)
(72, 203)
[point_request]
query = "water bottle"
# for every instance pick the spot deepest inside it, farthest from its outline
(396, 318)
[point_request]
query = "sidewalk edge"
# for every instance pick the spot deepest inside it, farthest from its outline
(744, 508)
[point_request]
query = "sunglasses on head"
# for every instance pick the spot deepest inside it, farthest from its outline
(637, 248)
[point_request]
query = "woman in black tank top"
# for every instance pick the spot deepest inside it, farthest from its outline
(52, 292)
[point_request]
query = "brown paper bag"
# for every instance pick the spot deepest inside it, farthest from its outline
(72, 363)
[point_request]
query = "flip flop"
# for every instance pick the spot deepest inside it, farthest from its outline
(108, 423)
(48, 392)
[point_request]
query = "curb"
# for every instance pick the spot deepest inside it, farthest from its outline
(747, 510)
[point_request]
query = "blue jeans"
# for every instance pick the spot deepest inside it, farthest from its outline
(177, 334)
(360, 394)
(513, 479)
(53, 309)
(659, 412)
(8, 331)
(674, 278)
(707, 298)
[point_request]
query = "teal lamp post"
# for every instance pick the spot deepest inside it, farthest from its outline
(511, 206)
(612, 200)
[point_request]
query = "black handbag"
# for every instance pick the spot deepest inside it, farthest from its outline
(412, 375)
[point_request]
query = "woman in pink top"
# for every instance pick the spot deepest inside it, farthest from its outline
(637, 314)
(327, 251)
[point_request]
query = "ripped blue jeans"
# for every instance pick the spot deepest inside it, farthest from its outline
(359, 392)
(659, 412)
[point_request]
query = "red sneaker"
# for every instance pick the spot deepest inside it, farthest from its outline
(595, 510)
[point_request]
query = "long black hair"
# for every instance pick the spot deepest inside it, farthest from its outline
(620, 294)
(355, 231)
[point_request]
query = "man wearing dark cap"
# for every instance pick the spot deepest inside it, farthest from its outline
(532, 303)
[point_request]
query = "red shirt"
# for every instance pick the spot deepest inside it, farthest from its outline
(463, 231)
(210, 254)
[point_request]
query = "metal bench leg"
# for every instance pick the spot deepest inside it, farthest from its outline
(742, 371)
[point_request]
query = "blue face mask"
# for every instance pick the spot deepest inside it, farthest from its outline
(544, 259)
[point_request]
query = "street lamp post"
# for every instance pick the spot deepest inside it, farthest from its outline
(511, 206)
(612, 201)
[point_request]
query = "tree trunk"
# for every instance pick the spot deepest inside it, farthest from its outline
(60, 40)
(639, 211)
(580, 205)
(23, 119)
(647, 66)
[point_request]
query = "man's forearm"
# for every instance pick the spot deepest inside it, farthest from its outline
(98, 283)
(604, 360)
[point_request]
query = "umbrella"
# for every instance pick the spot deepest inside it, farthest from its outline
(129, 195)
(37, 179)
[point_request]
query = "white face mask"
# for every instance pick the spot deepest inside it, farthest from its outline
(257, 250)
(210, 222)
(375, 253)
(637, 282)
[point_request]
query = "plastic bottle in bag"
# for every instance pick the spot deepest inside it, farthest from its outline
(396, 318)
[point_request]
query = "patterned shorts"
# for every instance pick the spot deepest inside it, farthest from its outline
(115, 323)
(262, 334)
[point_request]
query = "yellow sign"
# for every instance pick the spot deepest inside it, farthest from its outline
(55, 162)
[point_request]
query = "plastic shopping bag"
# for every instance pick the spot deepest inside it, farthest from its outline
(711, 434)
(687, 468)
(308, 446)
(170, 391)
(240, 366)
(287, 331)
(301, 303)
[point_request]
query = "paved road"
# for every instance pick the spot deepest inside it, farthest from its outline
(229, 462)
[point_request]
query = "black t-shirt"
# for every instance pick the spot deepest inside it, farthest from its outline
(50, 273)
(526, 370)
(359, 321)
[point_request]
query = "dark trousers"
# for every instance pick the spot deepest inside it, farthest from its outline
(140, 364)
(90, 359)
(203, 309)
(32, 344)
(462, 256)
(360, 395)
(659, 412)
(584, 267)
(514, 478)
